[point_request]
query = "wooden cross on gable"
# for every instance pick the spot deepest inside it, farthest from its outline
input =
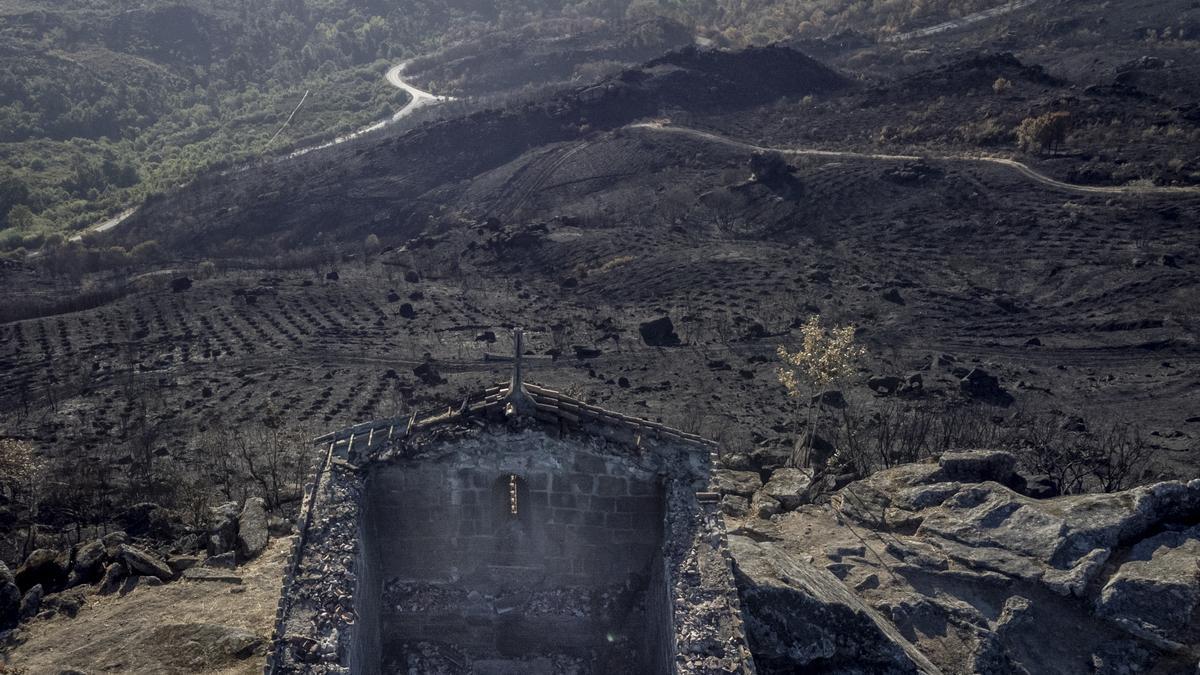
(518, 380)
(518, 402)
(517, 398)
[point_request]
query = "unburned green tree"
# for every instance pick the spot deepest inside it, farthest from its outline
(20, 217)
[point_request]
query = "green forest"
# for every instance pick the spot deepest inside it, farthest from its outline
(104, 103)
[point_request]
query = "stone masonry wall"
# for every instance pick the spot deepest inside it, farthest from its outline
(591, 510)
(365, 649)
(581, 518)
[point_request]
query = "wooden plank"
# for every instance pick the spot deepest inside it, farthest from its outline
(558, 412)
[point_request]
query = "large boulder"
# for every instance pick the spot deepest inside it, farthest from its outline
(743, 483)
(789, 487)
(889, 498)
(112, 541)
(89, 563)
(10, 598)
(6, 575)
(977, 466)
(1155, 592)
(222, 528)
(31, 602)
(114, 574)
(45, 567)
(150, 519)
(181, 563)
(659, 333)
(734, 506)
(884, 384)
(901, 490)
(763, 505)
(979, 384)
(142, 563)
(803, 619)
(252, 528)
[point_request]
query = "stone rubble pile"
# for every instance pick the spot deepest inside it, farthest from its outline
(319, 601)
(427, 658)
(52, 581)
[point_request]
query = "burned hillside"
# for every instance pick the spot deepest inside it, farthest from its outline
(996, 214)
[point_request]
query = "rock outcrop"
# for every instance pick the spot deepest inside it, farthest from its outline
(114, 574)
(1155, 592)
(45, 567)
(142, 563)
(31, 602)
(222, 528)
(979, 384)
(742, 483)
(803, 619)
(243, 533)
(252, 528)
(789, 487)
(89, 559)
(659, 332)
(952, 562)
(10, 598)
(985, 526)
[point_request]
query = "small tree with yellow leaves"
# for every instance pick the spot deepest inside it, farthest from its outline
(826, 356)
(18, 464)
(21, 473)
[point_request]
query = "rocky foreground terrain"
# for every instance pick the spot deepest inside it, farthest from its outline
(943, 566)
(168, 599)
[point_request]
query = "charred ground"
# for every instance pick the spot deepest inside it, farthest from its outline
(558, 215)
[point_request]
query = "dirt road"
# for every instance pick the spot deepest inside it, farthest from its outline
(1019, 167)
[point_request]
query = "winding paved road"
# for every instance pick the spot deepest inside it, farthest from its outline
(1019, 167)
(418, 98)
(106, 225)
